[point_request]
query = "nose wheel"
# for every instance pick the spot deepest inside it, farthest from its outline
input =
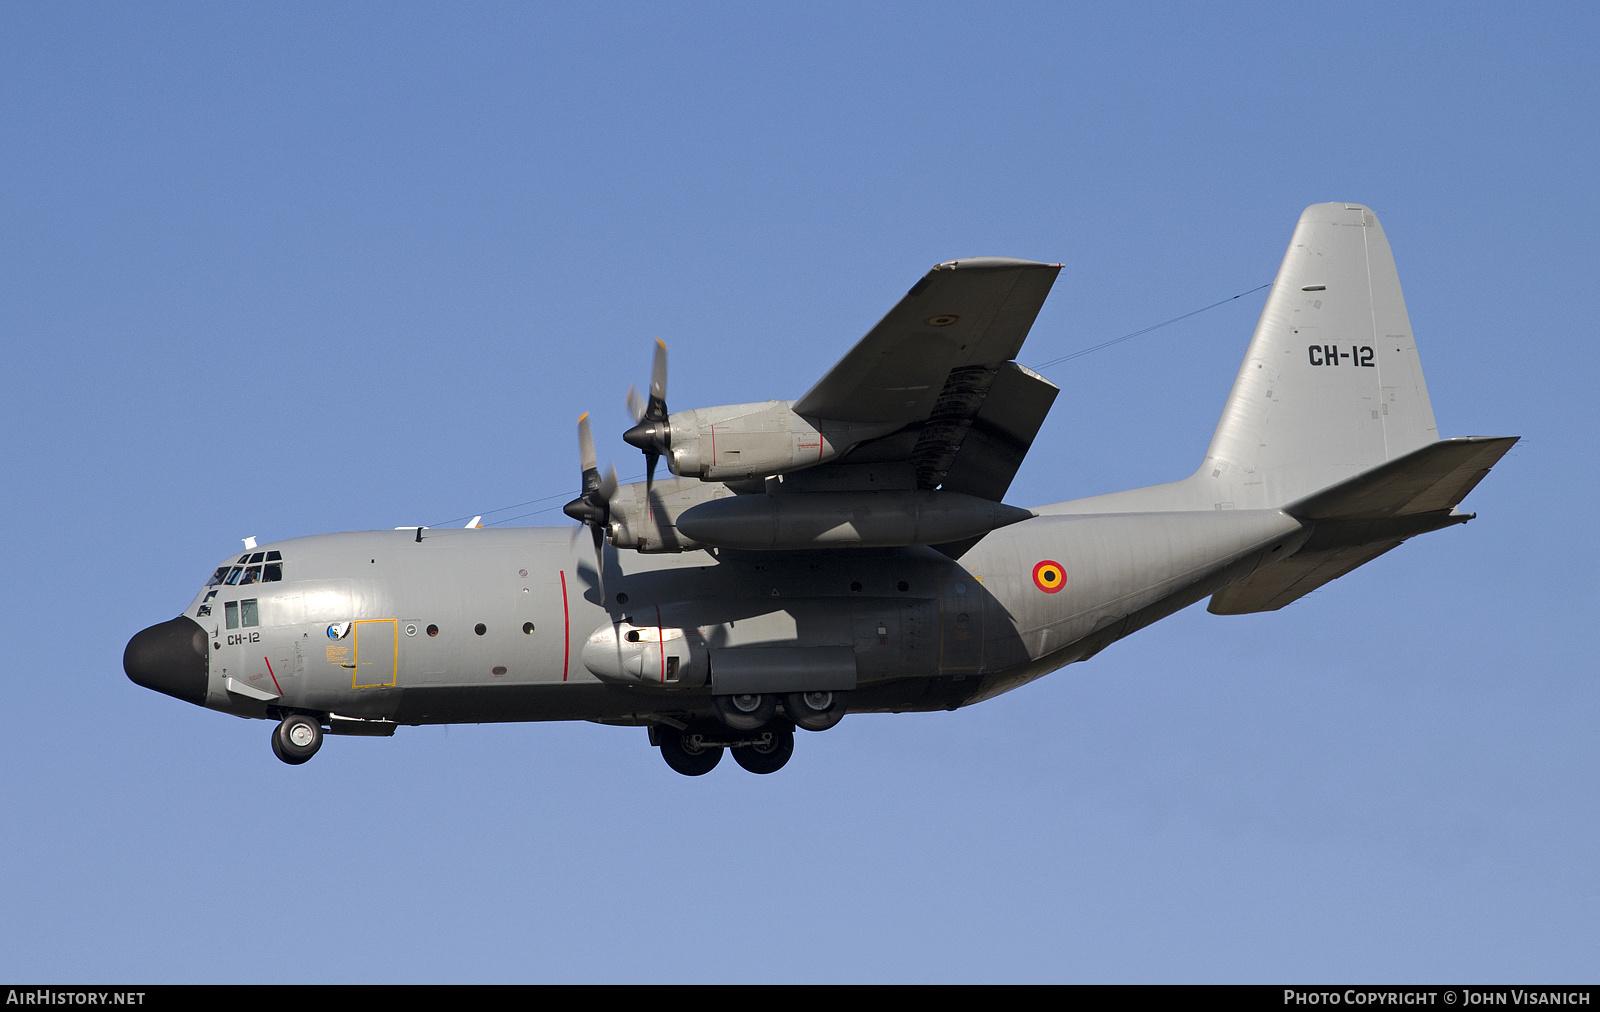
(297, 739)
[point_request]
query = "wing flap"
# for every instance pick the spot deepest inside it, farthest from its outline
(1001, 433)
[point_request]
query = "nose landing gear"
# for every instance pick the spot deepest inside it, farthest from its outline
(297, 739)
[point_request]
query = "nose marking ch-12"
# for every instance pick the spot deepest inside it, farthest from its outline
(849, 551)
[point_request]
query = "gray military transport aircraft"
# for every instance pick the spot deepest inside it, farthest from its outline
(850, 551)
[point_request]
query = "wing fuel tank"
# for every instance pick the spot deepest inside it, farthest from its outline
(845, 519)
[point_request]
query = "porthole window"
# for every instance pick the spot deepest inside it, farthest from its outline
(480, 628)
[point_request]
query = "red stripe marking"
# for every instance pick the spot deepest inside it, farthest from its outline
(566, 627)
(661, 642)
(275, 684)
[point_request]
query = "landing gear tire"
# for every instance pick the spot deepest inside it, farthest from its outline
(684, 753)
(747, 711)
(768, 756)
(297, 738)
(815, 711)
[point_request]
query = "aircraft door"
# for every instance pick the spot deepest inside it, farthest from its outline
(960, 626)
(376, 650)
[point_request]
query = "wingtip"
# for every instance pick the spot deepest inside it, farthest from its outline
(992, 264)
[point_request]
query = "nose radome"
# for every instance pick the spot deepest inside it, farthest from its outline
(171, 658)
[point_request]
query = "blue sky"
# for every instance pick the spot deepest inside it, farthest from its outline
(279, 271)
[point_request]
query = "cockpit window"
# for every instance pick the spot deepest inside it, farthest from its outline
(250, 569)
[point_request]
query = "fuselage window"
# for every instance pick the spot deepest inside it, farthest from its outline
(242, 613)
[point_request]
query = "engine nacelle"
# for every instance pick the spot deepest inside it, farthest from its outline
(739, 441)
(657, 656)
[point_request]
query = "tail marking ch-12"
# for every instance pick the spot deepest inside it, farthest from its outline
(849, 551)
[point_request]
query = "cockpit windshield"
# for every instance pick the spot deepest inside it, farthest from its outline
(251, 567)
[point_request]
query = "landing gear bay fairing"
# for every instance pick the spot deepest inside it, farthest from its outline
(850, 551)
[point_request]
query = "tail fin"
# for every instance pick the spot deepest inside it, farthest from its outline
(1331, 385)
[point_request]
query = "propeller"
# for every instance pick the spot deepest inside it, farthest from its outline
(652, 434)
(593, 507)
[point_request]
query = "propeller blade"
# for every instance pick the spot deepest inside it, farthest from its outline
(658, 375)
(585, 444)
(592, 508)
(652, 432)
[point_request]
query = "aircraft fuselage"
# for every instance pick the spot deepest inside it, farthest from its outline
(483, 625)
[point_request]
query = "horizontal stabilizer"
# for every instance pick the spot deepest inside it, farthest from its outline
(1359, 519)
(1436, 477)
(1293, 578)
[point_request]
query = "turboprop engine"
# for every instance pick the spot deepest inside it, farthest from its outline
(738, 441)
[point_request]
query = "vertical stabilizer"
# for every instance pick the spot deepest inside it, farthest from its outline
(1331, 384)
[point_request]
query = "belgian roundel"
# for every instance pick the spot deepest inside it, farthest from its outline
(1049, 576)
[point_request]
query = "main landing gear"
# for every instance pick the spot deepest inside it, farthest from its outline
(696, 751)
(297, 739)
(762, 742)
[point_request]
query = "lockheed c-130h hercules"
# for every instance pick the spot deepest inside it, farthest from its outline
(849, 551)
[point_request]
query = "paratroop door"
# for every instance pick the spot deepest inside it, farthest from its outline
(376, 656)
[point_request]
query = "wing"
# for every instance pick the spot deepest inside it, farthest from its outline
(962, 314)
(939, 367)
